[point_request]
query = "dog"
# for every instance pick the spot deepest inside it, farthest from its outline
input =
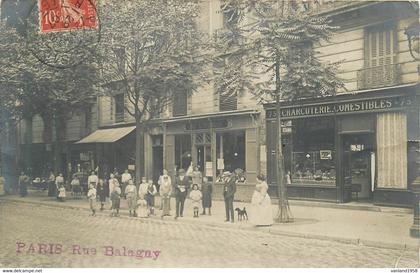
(242, 215)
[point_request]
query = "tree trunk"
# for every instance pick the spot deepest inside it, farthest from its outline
(57, 147)
(8, 152)
(27, 154)
(139, 155)
(284, 214)
(47, 136)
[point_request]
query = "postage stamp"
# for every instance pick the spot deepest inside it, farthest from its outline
(63, 15)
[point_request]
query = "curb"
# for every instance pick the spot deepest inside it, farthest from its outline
(357, 242)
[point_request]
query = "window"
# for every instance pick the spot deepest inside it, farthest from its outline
(182, 151)
(119, 107)
(309, 151)
(228, 100)
(228, 97)
(380, 57)
(180, 104)
(231, 151)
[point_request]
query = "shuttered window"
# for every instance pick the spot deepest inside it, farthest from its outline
(228, 101)
(119, 107)
(380, 50)
(180, 104)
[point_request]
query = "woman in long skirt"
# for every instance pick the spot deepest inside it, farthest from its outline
(165, 191)
(101, 192)
(23, 184)
(261, 211)
(51, 185)
(207, 190)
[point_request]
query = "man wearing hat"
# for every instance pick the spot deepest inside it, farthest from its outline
(182, 184)
(229, 190)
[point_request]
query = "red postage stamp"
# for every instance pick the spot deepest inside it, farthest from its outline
(63, 15)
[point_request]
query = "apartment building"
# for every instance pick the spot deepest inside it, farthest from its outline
(360, 144)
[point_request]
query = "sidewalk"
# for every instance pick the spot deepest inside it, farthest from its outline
(379, 227)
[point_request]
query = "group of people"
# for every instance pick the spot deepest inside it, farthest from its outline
(141, 198)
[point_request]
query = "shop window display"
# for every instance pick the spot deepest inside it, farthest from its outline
(309, 151)
(231, 153)
(182, 151)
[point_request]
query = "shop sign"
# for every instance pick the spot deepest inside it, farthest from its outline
(209, 168)
(325, 154)
(369, 105)
(131, 167)
(220, 164)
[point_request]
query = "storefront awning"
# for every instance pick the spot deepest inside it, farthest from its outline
(107, 135)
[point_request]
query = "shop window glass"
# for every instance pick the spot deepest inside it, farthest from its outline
(309, 151)
(231, 151)
(182, 151)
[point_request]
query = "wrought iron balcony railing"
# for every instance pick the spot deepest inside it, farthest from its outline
(379, 76)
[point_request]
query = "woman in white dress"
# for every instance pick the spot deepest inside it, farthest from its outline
(261, 211)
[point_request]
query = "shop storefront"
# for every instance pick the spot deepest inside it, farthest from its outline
(104, 150)
(214, 143)
(348, 147)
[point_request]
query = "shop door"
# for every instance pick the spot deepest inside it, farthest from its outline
(356, 162)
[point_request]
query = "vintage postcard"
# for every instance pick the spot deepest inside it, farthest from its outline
(280, 134)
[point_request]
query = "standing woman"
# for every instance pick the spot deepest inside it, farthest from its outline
(165, 191)
(101, 192)
(51, 185)
(23, 184)
(261, 213)
(197, 177)
(59, 181)
(207, 190)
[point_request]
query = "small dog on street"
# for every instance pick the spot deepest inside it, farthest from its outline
(242, 215)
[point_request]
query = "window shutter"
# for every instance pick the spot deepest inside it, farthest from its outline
(380, 45)
(180, 104)
(228, 101)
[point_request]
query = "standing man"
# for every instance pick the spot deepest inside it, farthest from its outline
(229, 190)
(125, 177)
(182, 184)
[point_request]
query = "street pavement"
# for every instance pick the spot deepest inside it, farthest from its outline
(165, 243)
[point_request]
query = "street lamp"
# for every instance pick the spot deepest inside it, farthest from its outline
(413, 37)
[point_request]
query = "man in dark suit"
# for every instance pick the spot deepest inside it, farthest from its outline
(229, 190)
(182, 184)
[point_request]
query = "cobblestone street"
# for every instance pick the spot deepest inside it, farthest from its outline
(181, 244)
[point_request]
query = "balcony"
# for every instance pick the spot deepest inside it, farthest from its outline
(324, 6)
(379, 76)
(119, 117)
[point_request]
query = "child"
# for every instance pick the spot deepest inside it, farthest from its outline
(101, 193)
(150, 197)
(75, 186)
(143, 187)
(61, 193)
(142, 207)
(130, 193)
(196, 196)
(115, 199)
(92, 199)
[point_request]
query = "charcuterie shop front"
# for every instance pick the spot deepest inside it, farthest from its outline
(353, 147)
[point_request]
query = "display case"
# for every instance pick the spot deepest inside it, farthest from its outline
(313, 167)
